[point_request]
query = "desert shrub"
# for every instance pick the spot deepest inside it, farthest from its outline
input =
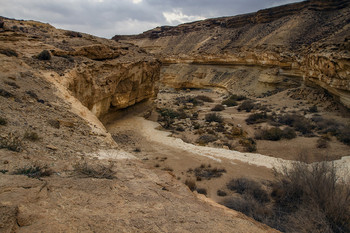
(12, 84)
(343, 135)
(191, 184)
(272, 134)
(11, 142)
(218, 108)
(313, 188)
(98, 171)
(249, 144)
(299, 123)
(165, 112)
(202, 191)
(196, 125)
(206, 138)
(237, 97)
(5, 93)
(229, 103)
(247, 105)
(213, 117)
(54, 123)
(3, 121)
(248, 206)
(249, 187)
(188, 99)
(313, 109)
(257, 118)
(73, 34)
(207, 172)
(322, 143)
(221, 193)
(3, 171)
(34, 171)
(204, 98)
(32, 136)
(288, 133)
(44, 55)
(180, 128)
(9, 52)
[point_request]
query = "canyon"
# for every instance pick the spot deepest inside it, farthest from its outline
(86, 145)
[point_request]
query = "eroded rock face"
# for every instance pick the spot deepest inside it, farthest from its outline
(310, 39)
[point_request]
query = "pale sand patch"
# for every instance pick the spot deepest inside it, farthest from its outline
(112, 154)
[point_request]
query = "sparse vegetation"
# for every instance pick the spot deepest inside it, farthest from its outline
(3, 121)
(54, 123)
(11, 142)
(32, 136)
(221, 193)
(202, 191)
(214, 117)
(275, 134)
(44, 55)
(9, 52)
(34, 171)
(218, 108)
(204, 98)
(191, 184)
(247, 106)
(249, 144)
(5, 93)
(306, 198)
(322, 143)
(206, 138)
(98, 171)
(73, 34)
(207, 172)
(299, 123)
(257, 118)
(229, 103)
(313, 109)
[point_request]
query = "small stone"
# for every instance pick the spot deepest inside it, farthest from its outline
(51, 147)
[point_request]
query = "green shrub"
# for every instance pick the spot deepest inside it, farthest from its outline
(213, 117)
(218, 108)
(44, 55)
(247, 105)
(34, 171)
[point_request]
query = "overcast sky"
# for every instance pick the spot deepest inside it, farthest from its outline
(106, 18)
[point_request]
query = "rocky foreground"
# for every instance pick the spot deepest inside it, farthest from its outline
(60, 170)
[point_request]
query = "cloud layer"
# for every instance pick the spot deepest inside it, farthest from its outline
(106, 18)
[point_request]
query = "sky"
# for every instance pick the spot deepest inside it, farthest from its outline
(106, 18)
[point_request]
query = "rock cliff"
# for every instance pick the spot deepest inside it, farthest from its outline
(310, 39)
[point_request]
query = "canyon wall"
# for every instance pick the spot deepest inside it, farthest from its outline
(310, 40)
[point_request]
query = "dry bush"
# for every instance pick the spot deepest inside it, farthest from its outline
(257, 118)
(221, 193)
(218, 108)
(73, 34)
(202, 191)
(98, 171)
(3, 121)
(247, 105)
(44, 55)
(249, 144)
(322, 143)
(207, 172)
(34, 171)
(275, 134)
(249, 187)
(204, 98)
(213, 117)
(191, 184)
(32, 136)
(9, 52)
(229, 103)
(206, 138)
(11, 142)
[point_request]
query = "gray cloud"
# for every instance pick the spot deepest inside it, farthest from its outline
(106, 18)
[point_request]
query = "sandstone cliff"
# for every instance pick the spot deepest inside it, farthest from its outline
(310, 40)
(51, 138)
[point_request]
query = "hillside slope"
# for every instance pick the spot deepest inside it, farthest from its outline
(310, 40)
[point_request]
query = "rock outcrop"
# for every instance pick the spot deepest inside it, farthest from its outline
(311, 39)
